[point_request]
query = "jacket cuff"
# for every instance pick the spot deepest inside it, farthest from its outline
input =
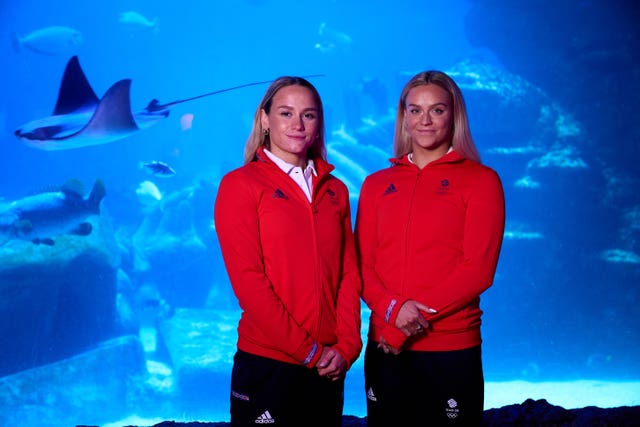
(392, 310)
(313, 356)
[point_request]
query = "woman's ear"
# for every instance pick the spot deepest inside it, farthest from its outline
(264, 119)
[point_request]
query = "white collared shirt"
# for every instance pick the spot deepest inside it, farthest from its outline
(301, 177)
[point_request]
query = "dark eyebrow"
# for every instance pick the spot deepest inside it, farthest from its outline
(430, 106)
(287, 107)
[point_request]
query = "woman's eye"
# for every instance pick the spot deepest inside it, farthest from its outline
(309, 116)
(285, 114)
(414, 111)
(438, 110)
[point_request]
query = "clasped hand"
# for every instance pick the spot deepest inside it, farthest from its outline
(410, 321)
(331, 364)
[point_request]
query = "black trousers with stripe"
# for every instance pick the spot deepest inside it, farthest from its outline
(267, 391)
(418, 388)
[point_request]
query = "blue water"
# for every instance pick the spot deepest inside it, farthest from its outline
(552, 96)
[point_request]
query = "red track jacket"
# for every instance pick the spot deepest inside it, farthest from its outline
(434, 236)
(291, 263)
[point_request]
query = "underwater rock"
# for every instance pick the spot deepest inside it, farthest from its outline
(528, 116)
(201, 349)
(56, 300)
(168, 234)
(531, 413)
(174, 246)
(559, 138)
(77, 389)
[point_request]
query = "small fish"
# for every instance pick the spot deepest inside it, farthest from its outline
(186, 121)
(136, 18)
(522, 235)
(564, 158)
(54, 40)
(148, 194)
(514, 150)
(332, 40)
(527, 182)
(620, 256)
(159, 169)
(45, 241)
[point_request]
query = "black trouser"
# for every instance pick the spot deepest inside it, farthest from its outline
(266, 391)
(420, 388)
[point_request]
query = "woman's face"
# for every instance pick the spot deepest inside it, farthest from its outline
(429, 119)
(293, 123)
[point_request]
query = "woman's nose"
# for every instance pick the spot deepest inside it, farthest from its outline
(298, 123)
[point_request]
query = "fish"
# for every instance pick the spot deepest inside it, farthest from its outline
(148, 194)
(136, 18)
(332, 40)
(522, 235)
(81, 119)
(54, 40)
(186, 121)
(620, 256)
(41, 217)
(48, 241)
(159, 169)
(563, 158)
(527, 182)
(514, 150)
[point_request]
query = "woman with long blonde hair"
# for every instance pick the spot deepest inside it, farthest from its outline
(284, 226)
(428, 235)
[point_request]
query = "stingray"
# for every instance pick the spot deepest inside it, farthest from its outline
(81, 119)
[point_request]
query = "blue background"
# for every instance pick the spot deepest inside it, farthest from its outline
(552, 92)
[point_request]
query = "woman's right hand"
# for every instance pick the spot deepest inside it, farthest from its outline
(387, 348)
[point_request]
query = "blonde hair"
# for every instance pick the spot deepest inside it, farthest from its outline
(461, 138)
(258, 138)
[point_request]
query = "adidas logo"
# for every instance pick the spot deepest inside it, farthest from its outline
(390, 189)
(279, 194)
(372, 397)
(265, 418)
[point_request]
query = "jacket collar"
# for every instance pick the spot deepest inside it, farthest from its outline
(451, 157)
(322, 167)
